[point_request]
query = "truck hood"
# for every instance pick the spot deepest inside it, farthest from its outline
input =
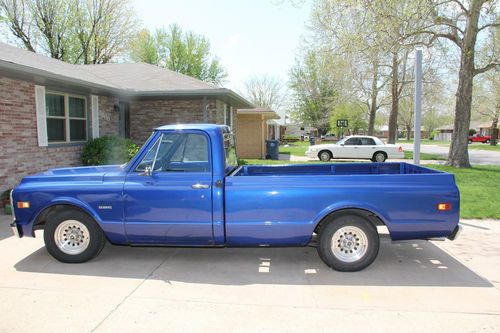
(90, 173)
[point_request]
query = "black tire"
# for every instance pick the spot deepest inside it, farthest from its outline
(470, 141)
(95, 238)
(379, 156)
(487, 141)
(347, 222)
(325, 155)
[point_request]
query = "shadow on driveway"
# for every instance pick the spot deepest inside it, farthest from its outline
(409, 263)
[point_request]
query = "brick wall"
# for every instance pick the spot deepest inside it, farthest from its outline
(108, 117)
(20, 154)
(145, 115)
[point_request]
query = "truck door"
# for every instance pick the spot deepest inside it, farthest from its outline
(168, 196)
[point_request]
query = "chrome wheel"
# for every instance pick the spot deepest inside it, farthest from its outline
(325, 156)
(349, 244)
(379, 157)
(72, 237)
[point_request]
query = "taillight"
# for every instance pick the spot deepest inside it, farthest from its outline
(444, 206)
(400, 149)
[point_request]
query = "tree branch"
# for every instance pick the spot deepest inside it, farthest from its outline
(486, 68)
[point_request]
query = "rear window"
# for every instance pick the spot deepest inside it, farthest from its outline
(230, 150)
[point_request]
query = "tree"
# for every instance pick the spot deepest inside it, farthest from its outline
(316, 81)
(354, 113)
(76, 31)
(265, 91)
(460, 23)
(186, 53)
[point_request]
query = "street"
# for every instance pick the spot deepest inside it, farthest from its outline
(413, 286)
(475, 156)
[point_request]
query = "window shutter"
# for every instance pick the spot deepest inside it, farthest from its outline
(95, 115)
(41, 118)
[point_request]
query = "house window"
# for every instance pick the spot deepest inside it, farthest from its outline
(228, 117)
(66, 118)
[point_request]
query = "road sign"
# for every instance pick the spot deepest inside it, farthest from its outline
(342, 123)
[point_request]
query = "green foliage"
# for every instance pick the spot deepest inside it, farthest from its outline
(472, 131)
(185, 53)
(108, 150)
(354, 113)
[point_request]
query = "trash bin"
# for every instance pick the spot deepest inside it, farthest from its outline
(272, 149)
(312, 140)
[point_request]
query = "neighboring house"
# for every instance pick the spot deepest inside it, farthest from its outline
(274, 130)
(445, 132)
(486, 129)
(297, 130)
(49, 109)
(252, 129)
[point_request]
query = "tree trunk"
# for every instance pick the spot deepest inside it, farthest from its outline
(393, 117)
(458, 155)
(373, 99)
(494, 127)
(408, 132)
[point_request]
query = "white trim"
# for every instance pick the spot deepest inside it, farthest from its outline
(41, 120)
(231, 117)
(94, 102)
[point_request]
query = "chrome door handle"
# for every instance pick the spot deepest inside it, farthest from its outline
(200, 186)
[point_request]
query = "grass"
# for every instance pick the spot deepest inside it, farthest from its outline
(424, 156)
(479, 191)
(482, 146)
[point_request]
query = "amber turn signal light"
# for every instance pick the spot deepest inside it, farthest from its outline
(23, 204)
(444, 206)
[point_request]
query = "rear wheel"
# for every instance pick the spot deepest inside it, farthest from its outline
(348, 243)
(325, 155)
(487, 141)
(379, 157)
(72, 236)
(470, 141)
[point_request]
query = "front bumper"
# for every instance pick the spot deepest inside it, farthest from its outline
(16, 230)
(311, 154)
(455, 233)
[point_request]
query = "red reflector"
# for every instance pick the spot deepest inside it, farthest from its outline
(444, 206)
(23, 204)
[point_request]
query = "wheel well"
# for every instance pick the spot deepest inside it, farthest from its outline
(42, 218)
(370, 216)
(328, 151)
(380, 151)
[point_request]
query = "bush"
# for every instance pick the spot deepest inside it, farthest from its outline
(472, 132)
(108, 150)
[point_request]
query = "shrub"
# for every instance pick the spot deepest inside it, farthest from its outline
(108, 150)
(472, 132)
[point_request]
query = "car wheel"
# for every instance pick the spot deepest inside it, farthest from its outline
(72, 236)
(470, 141)
(379, 157)
(487, 141)
(348, 243)
(325, 155)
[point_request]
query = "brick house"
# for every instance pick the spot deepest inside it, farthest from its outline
(49, 109)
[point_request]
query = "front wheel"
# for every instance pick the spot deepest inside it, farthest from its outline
(379, 157)
(348, 243)
(72, 236)
(325, 156)
(487, 141)
(470, 141)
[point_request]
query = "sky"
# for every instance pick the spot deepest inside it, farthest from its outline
(250, 37)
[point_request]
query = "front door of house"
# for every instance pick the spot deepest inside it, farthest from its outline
(124, 120)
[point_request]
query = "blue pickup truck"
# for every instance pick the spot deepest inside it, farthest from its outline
(185, 188)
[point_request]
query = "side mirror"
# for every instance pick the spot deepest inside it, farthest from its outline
(148, 171)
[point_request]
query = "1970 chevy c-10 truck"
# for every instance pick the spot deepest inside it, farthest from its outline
(185, 188)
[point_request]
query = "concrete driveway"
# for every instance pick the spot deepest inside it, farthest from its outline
(475, 156)
(414, 286)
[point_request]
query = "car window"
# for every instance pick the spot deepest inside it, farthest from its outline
(353, 142)
(176, 152)
(367, 142)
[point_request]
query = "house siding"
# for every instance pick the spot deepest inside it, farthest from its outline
(108, 116)
(20, 154)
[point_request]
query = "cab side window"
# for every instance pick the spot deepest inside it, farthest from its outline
(178, 152)
(368, 142)
(353, 142)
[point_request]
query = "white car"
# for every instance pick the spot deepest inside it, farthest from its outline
(356, 147)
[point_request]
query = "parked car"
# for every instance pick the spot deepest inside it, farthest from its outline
(479, 138)
(185, 188)
(328, 137)
(356, 147)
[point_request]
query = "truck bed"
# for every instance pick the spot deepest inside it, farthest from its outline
(333, 169)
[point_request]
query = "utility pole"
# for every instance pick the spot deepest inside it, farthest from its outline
(418, 106)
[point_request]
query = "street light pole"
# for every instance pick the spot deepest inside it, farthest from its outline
(418, 106)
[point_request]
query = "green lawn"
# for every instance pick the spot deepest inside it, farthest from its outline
(479, 187)
(479, 190)
(424, 156)
(481, 146)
